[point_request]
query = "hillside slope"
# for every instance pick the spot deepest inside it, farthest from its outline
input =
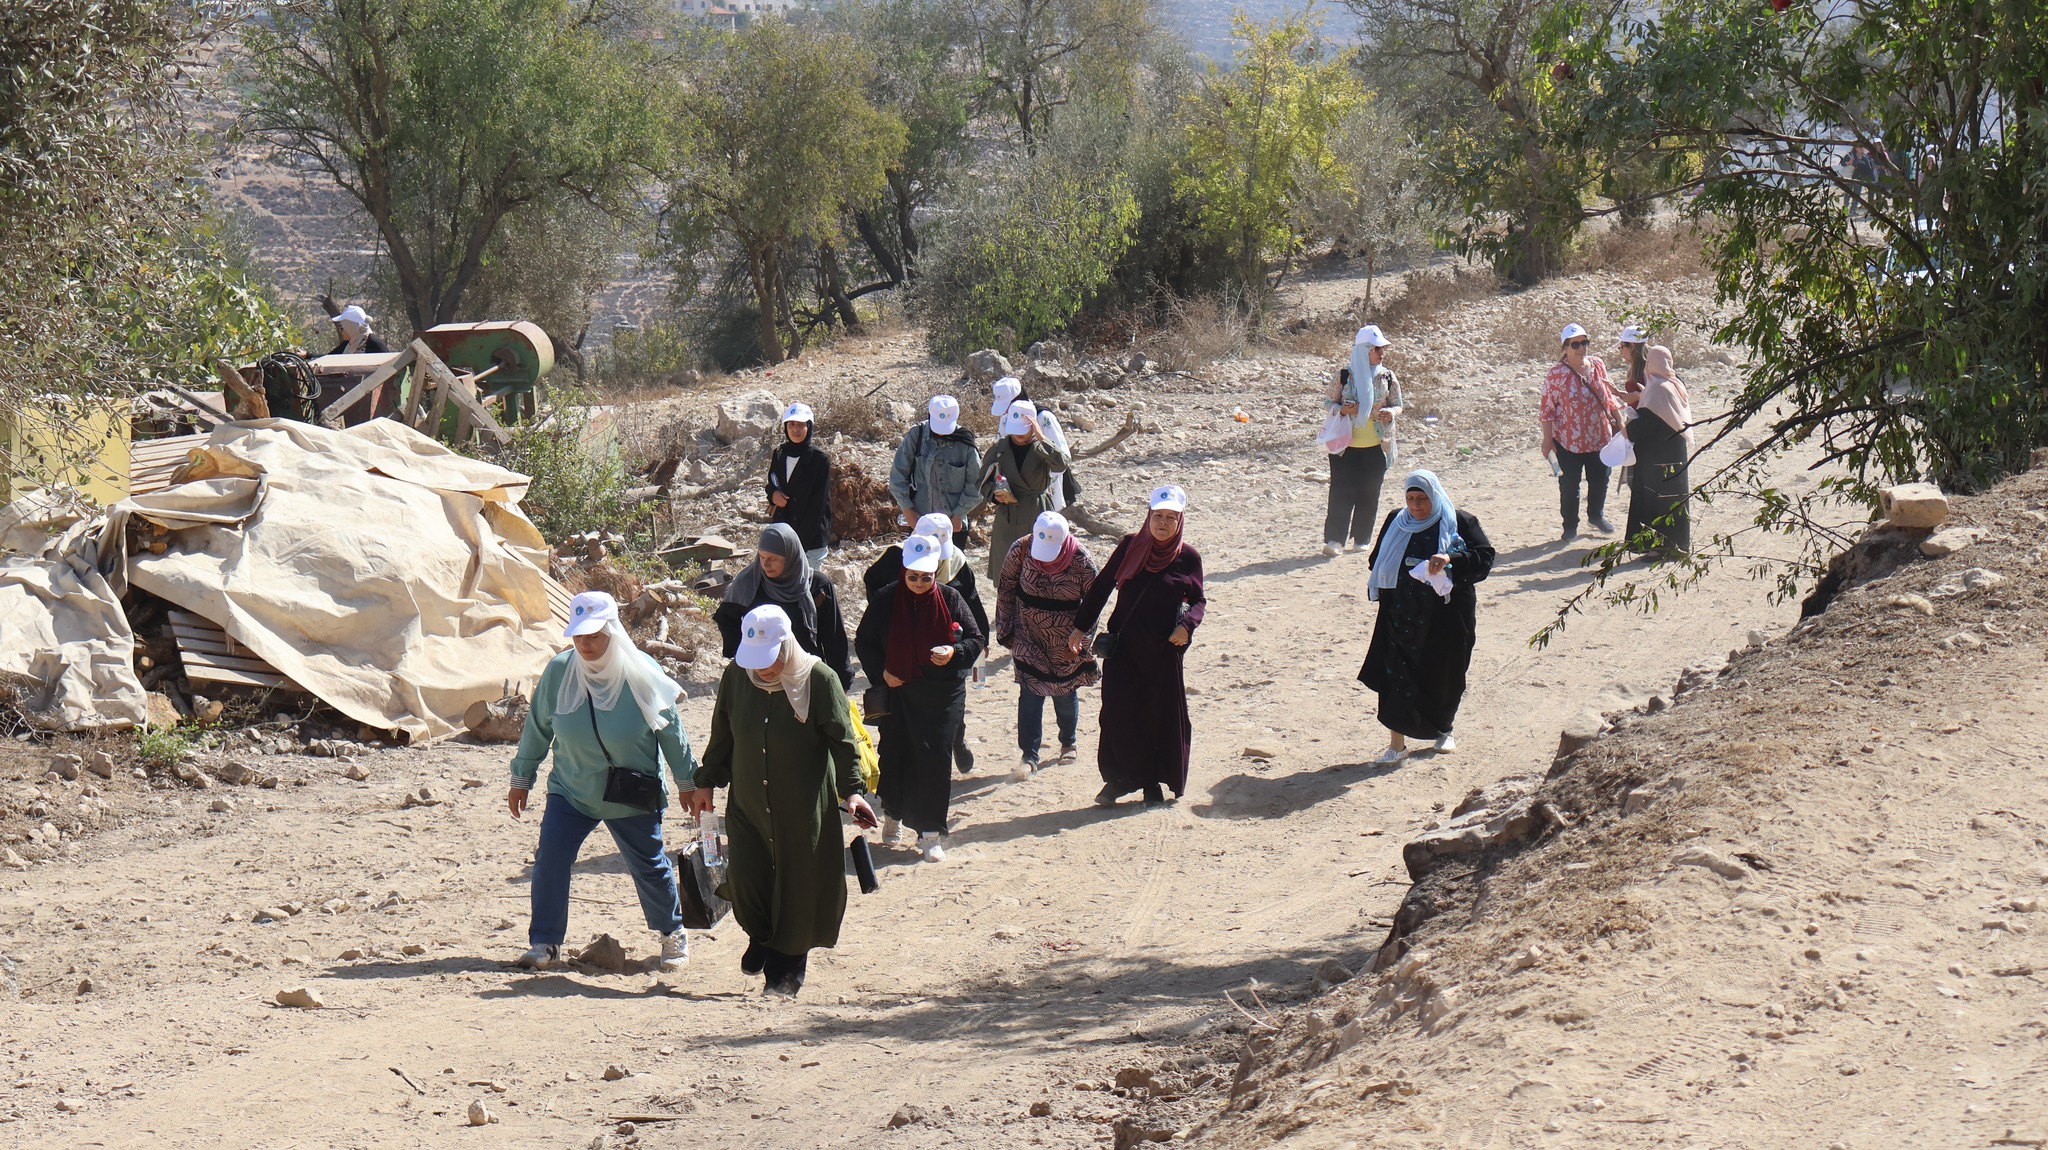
(1815, 925)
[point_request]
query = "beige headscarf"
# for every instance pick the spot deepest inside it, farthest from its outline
(1664, 395)
(794, 679)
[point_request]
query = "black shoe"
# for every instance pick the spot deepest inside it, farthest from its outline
(786, 974)
(754, 959)
(1108, 795)
(963, 759)
(1603, 526)
(1154, 797)
(1571, 532)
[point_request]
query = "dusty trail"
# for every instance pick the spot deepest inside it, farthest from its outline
(1057, 944)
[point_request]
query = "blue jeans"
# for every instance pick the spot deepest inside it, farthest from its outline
(562, 831)
(816, 556)
(1066, 711)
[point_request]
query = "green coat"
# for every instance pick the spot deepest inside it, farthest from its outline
(580, 766)
(1030, 474)
(785, 852)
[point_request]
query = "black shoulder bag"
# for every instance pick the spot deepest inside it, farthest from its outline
(1105, 639)
(624, 785)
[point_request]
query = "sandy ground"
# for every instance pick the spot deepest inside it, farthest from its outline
(1058, 944)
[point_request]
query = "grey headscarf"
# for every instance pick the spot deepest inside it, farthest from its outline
(792, 592)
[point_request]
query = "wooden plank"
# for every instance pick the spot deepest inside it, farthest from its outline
(242, 678)
(200, 406)
(253, 401)
(444, 386)
(475, 416)
(332, 416)
(226, 662)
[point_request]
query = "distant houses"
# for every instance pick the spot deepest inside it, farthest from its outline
(736, 13)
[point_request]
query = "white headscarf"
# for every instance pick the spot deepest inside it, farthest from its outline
(1049, 426)
(793, 680)
(938, 525)
(623, 666)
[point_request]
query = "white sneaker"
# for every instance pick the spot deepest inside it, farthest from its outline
(1023, 771)
(1361, 546)
(1446, 745)
(928, 842)
(1391, 755)
(1332, 550)
(539, 957)
(675, 949)
(891, 831)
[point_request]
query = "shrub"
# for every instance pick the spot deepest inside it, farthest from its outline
(578, 483)
(164, 747)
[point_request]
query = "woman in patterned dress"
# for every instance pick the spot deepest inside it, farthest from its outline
(1041, 584)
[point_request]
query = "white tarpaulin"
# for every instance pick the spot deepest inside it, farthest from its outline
(391, 577)
(64, 640)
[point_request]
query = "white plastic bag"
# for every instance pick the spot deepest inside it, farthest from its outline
(1619, 452)
(1336, 433)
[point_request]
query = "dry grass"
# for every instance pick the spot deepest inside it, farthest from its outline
(1654, 253)
(1200, 331)
(1430, 295)
(861, 505)
(606, 576)
(850, 412)
(1530, 328)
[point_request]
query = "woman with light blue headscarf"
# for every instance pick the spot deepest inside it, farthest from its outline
(1428, 557)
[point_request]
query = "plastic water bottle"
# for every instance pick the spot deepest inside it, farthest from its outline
(709, 826)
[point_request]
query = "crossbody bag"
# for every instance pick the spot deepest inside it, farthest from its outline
(624, 785)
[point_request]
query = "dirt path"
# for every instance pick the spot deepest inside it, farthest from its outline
(1058, 943)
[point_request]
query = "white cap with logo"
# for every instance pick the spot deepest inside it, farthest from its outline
(1369, 336)
(1049, 536)
(761, 636)
(1007, 389)
(1571, 332)
(1633, 334)
(589, 611)
(1169, 498)
(1020, 418)
(922, 553)
(945, 413)
(797, 413)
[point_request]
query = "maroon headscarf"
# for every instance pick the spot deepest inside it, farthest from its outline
(1057, 563)
(1153, 558)
(916, 625)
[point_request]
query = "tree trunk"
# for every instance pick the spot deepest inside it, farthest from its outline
(906, 229)
(784, 313)
(835, 287)
(871, 236)
(761, 269)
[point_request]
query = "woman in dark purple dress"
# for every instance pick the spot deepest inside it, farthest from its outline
(1159, 603)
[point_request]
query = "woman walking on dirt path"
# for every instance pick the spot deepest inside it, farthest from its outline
(1017, 475)
(954, 572)
(781, 574)
(1580, 413)
(1159, 602)
(935, 467)
(800, 483)
(610, 715)
(1630, 344)
(919, 641)
(782, 742)
(1422, 641)
(1368, 394)
(1043, 580)
(1657, 517)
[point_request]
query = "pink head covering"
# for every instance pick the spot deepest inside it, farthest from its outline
(1663, 394)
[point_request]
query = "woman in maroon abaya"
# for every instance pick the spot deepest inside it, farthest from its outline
(1159, 603)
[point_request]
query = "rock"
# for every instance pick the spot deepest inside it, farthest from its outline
(271, 914)
(1046, 379)
(356, 771)
(424, 797)
(1333, 972)
(301, 997)
(242, 774)
(1260, 753)
(1529, 956)
(1041, 1109)
(754, 415)
(1981, 579)
(605, 952)
(986, 366)
(1712, 860)
(67, 1106)
(100, 763)
(480, 1115)
(352, 954)
(1913, 505)
(1502, 813)
(1918, 604)
(1134, 1078)
(615, 1072)
(412, 948)
(1578, 734)
(908, 1115)
(11, 860)
(64, 766)
(221, 807)
(1136, 1132)
(1758, 639)
(497, 721)
(1048, 349)
(1637, 800)
(159, 710)
(85, 986)
(1948, 541)
(1136, 363)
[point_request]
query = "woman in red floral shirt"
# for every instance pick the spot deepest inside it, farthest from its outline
(1580, 413)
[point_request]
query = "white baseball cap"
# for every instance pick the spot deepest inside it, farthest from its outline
(1571, 332)
(922, 553)
(1049, 535)
(761, 636)
(1008, 389)
(589, 611)
(945, 413)
(1020, 418)
(797, 413)
(1369, 336)
(352, 314)
(1169, 498)
(1633, 334)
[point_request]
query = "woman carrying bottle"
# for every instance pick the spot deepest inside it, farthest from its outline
(1157, 580)
(1042, 584)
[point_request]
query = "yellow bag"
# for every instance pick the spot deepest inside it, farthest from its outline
(870, 758)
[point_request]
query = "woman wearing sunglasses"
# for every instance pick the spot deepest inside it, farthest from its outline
(919, 640)
(1580, 413)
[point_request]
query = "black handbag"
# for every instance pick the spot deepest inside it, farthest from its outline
(624, 785)
(697, 884)
(863, 865)
(874, 704)
(1105, 640)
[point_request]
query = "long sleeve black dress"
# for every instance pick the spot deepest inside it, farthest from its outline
(1658, 489)
(1421, 644)
(925, 714)
(1146, 734)
(829, 643)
